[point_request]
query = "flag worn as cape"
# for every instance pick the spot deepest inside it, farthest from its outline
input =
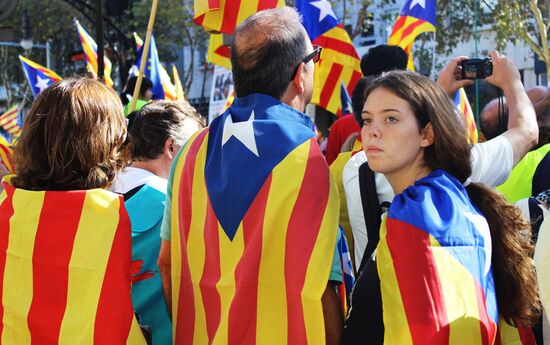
(38, 76)
(90, 51)
(434, 262)
(65, 267)
(339, 62)
(254, 227)
(416, 17)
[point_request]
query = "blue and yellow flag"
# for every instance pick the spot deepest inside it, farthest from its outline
(339, 60)
(434, 262)
(90, 51)
(38, 76)
(416, 17)
(55, 287)
(254, 227)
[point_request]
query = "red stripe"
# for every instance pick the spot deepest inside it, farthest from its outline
(399, 22)
(526, 335)
(224, 51)
(6, 212)
(213, 4)
(265, 4)
(337, 45)
(411, 27)
(419, 283)
(185, 324)
(115, 310)
(332, 81)
(230, 15)
(12, 114)
(243, 311)
(198, 20)
(7, 153)
(303, 228)
(51, 256)
(487, 326)
(211, 274)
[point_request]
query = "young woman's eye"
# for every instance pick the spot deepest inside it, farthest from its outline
(391, 119)
(366, 121)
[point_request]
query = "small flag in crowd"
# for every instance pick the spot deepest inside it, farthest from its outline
(345, 98)
(461, 101)
(180, 95)
(9, 121)
(339, 60)
(90, 51)
(6, 154)
(38, 76)
(416, 17)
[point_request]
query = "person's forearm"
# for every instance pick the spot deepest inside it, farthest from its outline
(334, 319)
(164, 264)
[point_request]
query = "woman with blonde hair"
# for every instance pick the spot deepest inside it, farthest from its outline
(65, 246)
(453, 258)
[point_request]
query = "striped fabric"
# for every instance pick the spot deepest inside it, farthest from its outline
(415, 18)
(339, 60)
(6, 155)
(434, 262)
(461, 101)
(252, 242)
(90, 51)
(217, 16)
(218, 53)
(180, 94)
(8, 121)
(65, 267)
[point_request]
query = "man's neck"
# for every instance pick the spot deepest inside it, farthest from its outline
(154, 166)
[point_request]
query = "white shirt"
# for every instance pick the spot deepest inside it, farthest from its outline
(131, 177)
(492, 162)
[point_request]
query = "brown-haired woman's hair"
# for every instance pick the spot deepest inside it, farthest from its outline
(513, 267)
(157, 121)
(71, 138)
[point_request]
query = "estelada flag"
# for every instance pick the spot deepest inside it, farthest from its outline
(416, 17)
(65, 268)
(339, 62)
(90, 51)
(434, 262)
(254, 229)
(38, 76)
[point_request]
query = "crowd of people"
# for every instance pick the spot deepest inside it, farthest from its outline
(153, 228)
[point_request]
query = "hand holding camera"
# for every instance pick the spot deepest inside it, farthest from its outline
(476, 68)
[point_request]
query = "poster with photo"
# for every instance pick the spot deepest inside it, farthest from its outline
(222, 87)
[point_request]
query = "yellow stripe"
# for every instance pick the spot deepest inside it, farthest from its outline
(395, 321)
(18, 279)
(246, 9)
(230, 253)
(509, 335)
(91, 250)
(272, 304)
(318, 270)
(196, 246)
(460, 297)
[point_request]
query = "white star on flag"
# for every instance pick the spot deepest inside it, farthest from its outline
(242, 131)
(421, 3)
(326, 9)
(42, 83)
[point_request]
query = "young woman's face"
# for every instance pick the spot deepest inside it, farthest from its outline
(391, 138)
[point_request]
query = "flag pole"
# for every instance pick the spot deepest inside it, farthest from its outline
(145, 52)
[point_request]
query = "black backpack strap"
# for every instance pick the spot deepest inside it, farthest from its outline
(371, 210)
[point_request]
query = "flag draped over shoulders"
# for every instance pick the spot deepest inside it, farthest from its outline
(254, 227)
(434, 262)
(65, 267)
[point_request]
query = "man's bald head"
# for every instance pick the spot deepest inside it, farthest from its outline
(265, 51)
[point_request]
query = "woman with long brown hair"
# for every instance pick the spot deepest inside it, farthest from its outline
(65, 245)
(453, 257)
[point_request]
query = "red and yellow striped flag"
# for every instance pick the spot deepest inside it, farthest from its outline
(65, 267)
(8, 121)
(462, 103)
(180, 95)
(90, 51)
(6, 155)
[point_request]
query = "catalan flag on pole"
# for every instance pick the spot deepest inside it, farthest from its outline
(252, 270)
(435, 268)
(70, 286)
(9, 121)
(461, 101)
(223, 16)
(339, 60)
(180, 95)
(38, 76)
(6, 155)
(162, 85)
(416, 17)
(90, 51)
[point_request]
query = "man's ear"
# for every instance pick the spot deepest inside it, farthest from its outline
(298, 80)
(170, 147)
(427, 136)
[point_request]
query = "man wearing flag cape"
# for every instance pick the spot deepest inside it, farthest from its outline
(248, 256)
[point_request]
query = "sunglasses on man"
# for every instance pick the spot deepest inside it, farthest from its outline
(315, 56)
